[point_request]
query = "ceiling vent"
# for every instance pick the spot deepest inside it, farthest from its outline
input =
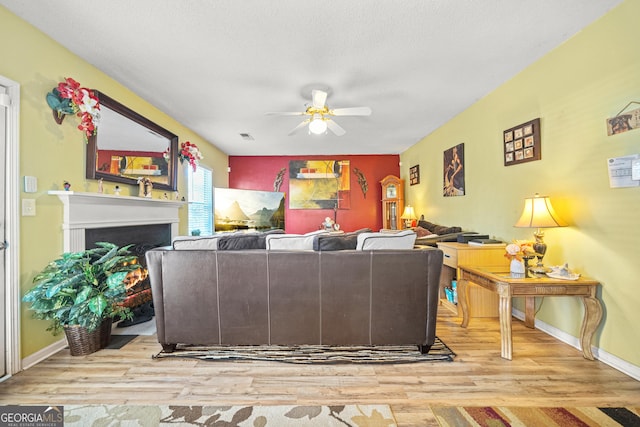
(246, 136)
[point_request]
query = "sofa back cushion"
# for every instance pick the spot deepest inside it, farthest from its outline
(373, 241)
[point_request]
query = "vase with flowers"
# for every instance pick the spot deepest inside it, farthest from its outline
(519, 252)
(70, 98)
(189, 152)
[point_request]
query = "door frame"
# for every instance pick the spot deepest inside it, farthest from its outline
(12, 230)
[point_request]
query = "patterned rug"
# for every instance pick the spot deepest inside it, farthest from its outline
(229, 416)
(315, 353)
(503, 416)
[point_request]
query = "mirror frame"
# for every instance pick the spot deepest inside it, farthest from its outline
(92, 146)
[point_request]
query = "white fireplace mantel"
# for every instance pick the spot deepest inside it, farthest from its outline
(94, 210)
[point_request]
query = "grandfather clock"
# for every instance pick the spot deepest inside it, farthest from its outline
(392, 202)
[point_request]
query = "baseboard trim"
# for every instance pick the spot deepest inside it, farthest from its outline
(607, 358)
(41, 355)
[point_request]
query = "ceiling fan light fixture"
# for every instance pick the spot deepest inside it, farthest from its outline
(317, 125)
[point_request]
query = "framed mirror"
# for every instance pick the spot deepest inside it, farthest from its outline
(129, 146)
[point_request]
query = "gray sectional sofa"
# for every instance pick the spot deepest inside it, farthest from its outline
(295, 297)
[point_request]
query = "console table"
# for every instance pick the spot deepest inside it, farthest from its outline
(500, 281)
(484, 303)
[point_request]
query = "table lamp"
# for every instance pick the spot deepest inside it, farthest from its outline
(408, 215)
(538, 213)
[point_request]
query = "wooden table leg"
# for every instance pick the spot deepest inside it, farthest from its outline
(463, 300)
(592, 318)
(530, 312)
(505, 327)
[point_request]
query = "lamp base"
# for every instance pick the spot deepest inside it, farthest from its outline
(539, 269)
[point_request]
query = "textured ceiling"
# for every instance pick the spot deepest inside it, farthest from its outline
(218, 65)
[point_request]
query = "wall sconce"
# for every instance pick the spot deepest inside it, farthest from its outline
(408, 215)
(538, 213)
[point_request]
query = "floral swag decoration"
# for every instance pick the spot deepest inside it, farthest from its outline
(69, 98)
(189, 152)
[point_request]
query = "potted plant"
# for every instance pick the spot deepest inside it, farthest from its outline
(80, 293)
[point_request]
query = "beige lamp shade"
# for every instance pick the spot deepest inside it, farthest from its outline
(409, 213)
(538, 213)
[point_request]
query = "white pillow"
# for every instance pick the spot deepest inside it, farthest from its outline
(372, 241)
(294, 242)
(196, 242)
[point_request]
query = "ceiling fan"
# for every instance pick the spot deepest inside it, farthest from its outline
(319, 115)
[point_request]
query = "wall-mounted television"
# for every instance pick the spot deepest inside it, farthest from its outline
(236, 209)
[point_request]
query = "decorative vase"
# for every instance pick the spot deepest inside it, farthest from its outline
(517, 268)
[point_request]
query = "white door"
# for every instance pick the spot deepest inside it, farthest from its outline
(10, 362)
(3, 144)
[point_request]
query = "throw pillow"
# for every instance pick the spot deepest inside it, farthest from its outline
(422, 232)
(372, 241)
(194, 243)
(338, 242)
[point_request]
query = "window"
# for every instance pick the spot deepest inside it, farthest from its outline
(200, 201)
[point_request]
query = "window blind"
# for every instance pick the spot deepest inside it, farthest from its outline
(201, 201)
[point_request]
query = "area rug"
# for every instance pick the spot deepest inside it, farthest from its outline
(503, 416)
(229, 416)
(119, 341)
(315, 353)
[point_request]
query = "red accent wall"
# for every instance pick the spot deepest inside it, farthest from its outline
(259, 173)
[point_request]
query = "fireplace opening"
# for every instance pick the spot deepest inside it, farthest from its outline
(142, 238)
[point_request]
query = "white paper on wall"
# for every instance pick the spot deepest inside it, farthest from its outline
(621, 171)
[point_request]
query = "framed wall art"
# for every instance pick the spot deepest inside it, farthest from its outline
(414, 175)
(319, 184)
(453, 171)
(522, 143)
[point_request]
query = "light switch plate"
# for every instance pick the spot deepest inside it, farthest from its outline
(28, 207)
(30, 184)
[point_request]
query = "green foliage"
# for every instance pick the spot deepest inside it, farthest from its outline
(61, 105)
(82, 288)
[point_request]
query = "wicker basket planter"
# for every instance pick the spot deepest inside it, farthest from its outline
(82, 342)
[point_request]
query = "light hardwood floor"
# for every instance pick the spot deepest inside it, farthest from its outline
(543, 372)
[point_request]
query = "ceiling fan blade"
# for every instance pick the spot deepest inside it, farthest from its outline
(352, 111)
(300, 126)
(335, 128)
(285, 113)
(319, 97)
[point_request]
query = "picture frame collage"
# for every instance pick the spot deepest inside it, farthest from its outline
(522, 143)
(414, 175)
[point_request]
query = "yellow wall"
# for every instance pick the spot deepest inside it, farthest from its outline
(54, 153)
(573, 90)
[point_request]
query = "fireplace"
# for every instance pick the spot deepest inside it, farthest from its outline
(122, 220)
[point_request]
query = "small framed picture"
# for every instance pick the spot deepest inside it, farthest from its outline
(414, 175)
(522, 143)
(528, 129)
(528, 141)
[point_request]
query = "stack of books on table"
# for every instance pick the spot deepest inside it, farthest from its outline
(486, 242)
